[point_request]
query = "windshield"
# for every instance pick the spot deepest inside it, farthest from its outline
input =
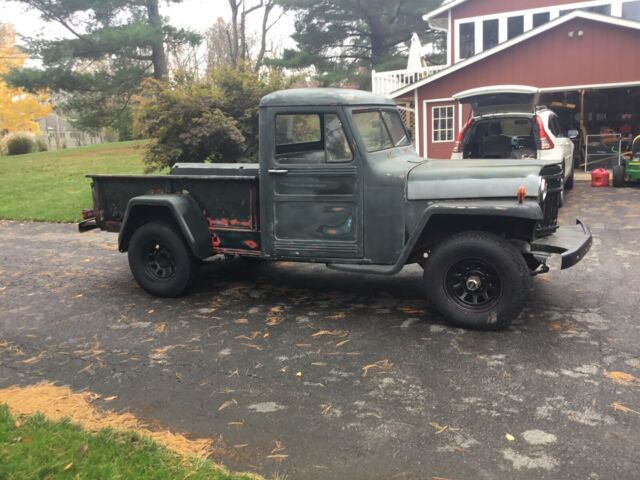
(381, 129)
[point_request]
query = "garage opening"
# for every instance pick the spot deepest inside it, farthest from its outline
(608, 120)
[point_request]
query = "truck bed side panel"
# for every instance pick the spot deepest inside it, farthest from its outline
(229, 204)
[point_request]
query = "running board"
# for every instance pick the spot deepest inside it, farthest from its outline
(374, 269)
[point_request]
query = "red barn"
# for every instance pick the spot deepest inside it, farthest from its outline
(585, 56)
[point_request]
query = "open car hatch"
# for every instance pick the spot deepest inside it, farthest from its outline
(500, 99)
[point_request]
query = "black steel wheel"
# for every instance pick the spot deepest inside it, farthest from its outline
(473, 284)
(159, 259)
(477, 280)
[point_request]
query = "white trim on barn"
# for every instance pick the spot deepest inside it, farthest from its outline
(514, 41)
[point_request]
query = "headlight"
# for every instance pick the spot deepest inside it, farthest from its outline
(542, 191)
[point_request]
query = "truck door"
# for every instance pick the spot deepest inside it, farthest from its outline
(311, 188)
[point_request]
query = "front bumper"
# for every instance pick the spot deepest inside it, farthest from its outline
(571, 243)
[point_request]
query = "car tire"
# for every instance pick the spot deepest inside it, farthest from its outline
(568, 184)
(618, 176)
(477, 280)
(160, 260)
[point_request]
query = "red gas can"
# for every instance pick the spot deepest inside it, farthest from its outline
(600, 178)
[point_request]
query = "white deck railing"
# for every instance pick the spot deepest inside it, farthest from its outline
(383, 83)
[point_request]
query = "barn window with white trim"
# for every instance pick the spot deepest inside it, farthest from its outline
(442, 123)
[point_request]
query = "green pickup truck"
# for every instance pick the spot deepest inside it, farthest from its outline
(340, 183)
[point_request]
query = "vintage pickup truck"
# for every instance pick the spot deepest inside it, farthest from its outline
(340, 183)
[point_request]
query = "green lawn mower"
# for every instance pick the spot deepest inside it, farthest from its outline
(629, 170)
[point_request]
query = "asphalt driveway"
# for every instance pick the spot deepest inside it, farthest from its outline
(315, 374)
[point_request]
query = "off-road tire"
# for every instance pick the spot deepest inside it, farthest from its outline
(510, 272)
(618, 176)
(176, 274)
(568, 184)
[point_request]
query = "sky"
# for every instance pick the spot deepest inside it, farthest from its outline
(194, 14)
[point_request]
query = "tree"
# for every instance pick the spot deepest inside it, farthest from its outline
(19, 110)
(229, 43)
(209, 120)
(343, 38)
(112, 46)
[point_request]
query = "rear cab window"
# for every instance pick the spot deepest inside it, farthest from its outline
(381, 129)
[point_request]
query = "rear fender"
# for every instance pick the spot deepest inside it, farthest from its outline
(182, 209)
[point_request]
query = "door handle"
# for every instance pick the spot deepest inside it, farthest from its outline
(278, 172)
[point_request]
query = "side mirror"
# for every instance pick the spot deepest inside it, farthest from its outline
(573, 134)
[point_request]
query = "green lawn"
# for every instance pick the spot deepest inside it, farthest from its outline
(51, 186)
(36, 448)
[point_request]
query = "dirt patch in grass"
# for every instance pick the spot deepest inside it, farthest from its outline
(57, 403)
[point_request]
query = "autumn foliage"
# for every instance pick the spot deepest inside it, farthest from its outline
(19, 110)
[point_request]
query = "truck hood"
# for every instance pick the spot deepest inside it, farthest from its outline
(464, 179)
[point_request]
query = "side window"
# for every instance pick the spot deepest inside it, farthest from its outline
(373, 131)
(310, 138)
(396, 128)
(554, 126)
(561, 132)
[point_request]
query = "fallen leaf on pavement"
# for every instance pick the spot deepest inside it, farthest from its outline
(335, 333)
(274, 317)
(411, 311)
(439, 428)
(160, 327)
(509, 437)
(623, 408)
(623, 378)
(379, 365)
(226, 404)
(32, 360)
(278, 457)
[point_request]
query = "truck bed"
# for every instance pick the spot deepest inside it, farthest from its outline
(228, 195)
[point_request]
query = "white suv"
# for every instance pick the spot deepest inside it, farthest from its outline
(506, 123)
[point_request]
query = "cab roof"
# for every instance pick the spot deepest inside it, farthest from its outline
(318, 97)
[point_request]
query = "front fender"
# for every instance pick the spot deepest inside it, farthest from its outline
(528, 210)
(183, 209)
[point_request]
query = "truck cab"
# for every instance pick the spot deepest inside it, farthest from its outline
(339, 182)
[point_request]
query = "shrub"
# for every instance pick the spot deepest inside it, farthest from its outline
(210, 120)
(42, 144)
(21, 144)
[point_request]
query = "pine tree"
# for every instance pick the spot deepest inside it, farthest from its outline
(112, 46)
(345, 39)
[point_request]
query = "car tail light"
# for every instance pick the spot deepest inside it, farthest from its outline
(457, 148)
(545, 141)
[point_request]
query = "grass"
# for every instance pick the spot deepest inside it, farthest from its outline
(33, 447)
(51, 186)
